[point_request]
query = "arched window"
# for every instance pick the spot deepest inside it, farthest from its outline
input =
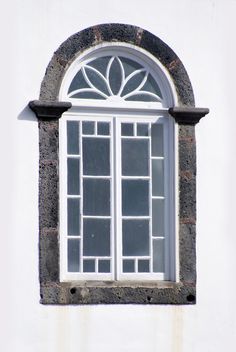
(117, 171)
(117, 168)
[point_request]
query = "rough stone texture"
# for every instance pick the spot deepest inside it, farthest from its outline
(127, 294)
(187, 241)
(48, 140)
(48, 194)
(47, 110)
(49, 256)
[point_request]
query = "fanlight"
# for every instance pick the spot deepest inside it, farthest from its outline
(114, 78)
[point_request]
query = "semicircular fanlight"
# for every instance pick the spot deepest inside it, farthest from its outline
(108, 76)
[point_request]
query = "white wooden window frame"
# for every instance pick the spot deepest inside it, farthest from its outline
(116, 119)
(101, 110)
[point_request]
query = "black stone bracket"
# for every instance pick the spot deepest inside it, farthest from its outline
(188, 115)
(48, 110)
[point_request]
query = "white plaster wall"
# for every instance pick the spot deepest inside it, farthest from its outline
(202, 33)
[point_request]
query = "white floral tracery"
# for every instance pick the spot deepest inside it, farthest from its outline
(107, 77)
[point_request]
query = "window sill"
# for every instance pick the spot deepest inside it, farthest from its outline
(161, 292)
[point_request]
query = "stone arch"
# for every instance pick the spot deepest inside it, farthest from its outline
(74, 46)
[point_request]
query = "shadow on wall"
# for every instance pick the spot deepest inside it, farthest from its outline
(27, 115)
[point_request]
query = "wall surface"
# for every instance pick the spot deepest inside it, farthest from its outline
(202, 33)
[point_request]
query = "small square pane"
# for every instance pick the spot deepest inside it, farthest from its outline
(96, 239)
(96, 156)
(135, 157)
(142, 129)
(127, 129)
(158, 255)
(88, 127)
(89, 266)
(157, 139)
(143, 266)
(157, 177)
(73, 176)
(72, 137)
(135, 238)
(73, 217)
(103, 128)
(96, 196)
(73, 255)
(128, 266)
(135, 197)
(104, 266)
(158, 221)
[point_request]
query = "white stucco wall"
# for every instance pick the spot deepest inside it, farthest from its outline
(202, 33)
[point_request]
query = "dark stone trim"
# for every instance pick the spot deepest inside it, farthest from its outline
(49, 110)
(187, 115)
(110, 33)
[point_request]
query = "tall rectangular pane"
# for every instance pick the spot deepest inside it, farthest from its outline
(157, 177)
(73, 176)
(135, 237)
(96, 197)
(135, 197)
(135, 157)
(72, 137)
(96, 156)
(158, 255)
(73, 255)
(73, 218)
(158, 221)
(96, 238)
(157, 139)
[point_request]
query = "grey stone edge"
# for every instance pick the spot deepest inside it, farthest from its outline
(48, 110)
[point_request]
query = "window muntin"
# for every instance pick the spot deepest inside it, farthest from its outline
(123, 231)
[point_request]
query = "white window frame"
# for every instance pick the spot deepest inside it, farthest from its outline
(116, 236)
(96, 110)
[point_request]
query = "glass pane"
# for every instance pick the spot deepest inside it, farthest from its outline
(127, 129)
(100, 64)
(143, 266)
(135, 197)
(142, 129)
(158, 221)
(96, 156)
(135, 237)
(96, 197)
(96, 80)
(152, 86)
(135, 157)
(157, 177)
(133, 83)
(88, 127)
(73, 178)
(73, 255)
(142, 97)
(157, 139)
(89, 266)
(73, 220)
(128, 266)
(72, 137)
(78, 82)
(104, 266)
(103, 128)
(88, 95)
(96, 239)
(129, 65)
(158, 256)
(115, 76)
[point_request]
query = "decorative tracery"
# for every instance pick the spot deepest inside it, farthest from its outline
(114, 77)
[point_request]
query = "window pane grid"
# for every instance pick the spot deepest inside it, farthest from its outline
(154, 242)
